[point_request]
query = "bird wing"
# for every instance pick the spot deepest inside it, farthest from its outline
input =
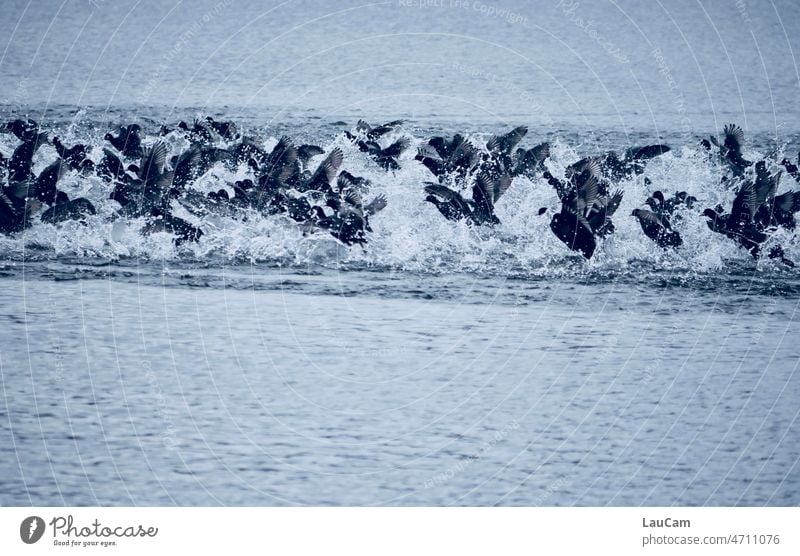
(305, 152)
(745, 204)
(328, 168)
(345, 182)
(441, 191)
(646, 153)
(375, 205)
(439, 145)
(279, 151)
(766, 184)
(362, 126)
(588, 166)
(385, 128)
(734, 138)
(505, 143)
(428, 151)
(648, 218)
(540, 152)
(587, 190)
(500, 186)
(353, 198)
(281, 161)
(613, 203)
(483, 192)
(396, 148)
(788, 202)
(463, 154)
(154, 159)
(44, 188)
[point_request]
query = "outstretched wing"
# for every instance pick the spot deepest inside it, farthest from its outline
(396, 148)
(375, 205)
(648, 152)
(766, 184)
(734, 138)
(503, 144)
(327, 170)
(154, 159)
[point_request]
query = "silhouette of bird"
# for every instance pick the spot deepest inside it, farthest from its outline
(63, 209)
(127, 141)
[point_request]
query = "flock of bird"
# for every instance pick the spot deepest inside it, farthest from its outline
(306, 184)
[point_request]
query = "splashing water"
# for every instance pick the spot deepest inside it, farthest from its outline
(410, 234)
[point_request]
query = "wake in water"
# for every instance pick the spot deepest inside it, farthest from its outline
(205, 190)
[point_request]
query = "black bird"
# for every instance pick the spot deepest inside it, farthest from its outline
(127, 141)
(110, 168)
(350, 220)
(161, 221)
(661, 205)
(730, 150)
(485, 193)
(747, 235)
(575, 234)
(386, 158)
(366, 139)
(73, 156)
(275, 172)
(64, 209)
(196, 161)
(658, 228)
(15, 213)
(248, 151)
(24, 130)
(529, 162)
(497, 161)
(615, 167)
(774, 210)
(150, 188)
(43, 188)
(747, 222)
(373, 133)
(188, 166)
(346, 180)
(480, 209)
(307, 152)
(227, 130)
(200, 132)
(456, 157)
(502, 145)
(21, 163)
(325, 173)
(450, 203)
(585, 212)
(781, 211)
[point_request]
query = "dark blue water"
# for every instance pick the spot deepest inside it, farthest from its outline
(441, 364)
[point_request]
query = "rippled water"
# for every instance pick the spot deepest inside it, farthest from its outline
(363, 388)
(442, 363)
(593, 64)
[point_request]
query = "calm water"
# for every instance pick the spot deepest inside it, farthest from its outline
(441, 364)
(599, 64)
(298, 390)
